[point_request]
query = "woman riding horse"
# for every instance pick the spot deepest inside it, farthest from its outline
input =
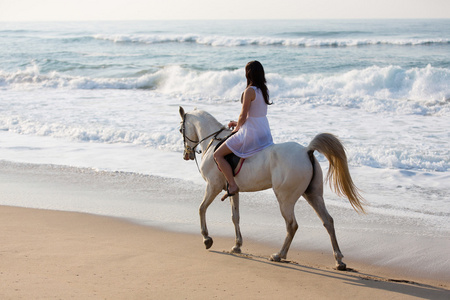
(251, 132)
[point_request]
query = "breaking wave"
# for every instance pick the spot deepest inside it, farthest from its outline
(415, 90)
(235, 41)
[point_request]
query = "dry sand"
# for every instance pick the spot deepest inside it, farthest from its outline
(51, 254)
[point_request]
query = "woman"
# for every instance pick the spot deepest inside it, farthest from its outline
(251, 131)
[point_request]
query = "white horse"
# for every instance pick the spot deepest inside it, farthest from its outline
(290, 169)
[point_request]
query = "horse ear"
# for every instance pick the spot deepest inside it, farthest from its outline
(182, 112)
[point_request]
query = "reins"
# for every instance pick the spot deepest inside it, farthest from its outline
(189, 149)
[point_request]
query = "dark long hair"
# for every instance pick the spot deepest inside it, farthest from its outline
(254, 72)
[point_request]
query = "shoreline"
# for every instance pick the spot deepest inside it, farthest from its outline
(69, 254)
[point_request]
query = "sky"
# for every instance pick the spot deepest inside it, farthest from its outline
(85, 10)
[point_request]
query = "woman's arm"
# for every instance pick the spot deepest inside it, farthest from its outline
(249, 96)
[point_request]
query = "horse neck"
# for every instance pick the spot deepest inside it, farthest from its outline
(204, 127)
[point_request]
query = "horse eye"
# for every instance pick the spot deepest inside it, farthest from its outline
(181, 131)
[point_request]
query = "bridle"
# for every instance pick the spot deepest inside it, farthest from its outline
(188, 149)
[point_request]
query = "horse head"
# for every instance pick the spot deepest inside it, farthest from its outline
(190, 138)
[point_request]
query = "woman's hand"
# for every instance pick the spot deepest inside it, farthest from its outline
(232, 124)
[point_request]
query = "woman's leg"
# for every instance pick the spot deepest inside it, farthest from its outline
(225, 167)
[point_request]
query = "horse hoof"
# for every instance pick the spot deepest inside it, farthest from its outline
(275, 257)
(236, 250)
(341, 267)
(208, 242)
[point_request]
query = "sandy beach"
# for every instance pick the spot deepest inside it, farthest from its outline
(47, 254)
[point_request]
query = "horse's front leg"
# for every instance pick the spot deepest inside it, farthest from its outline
(234, 200)
(210, 193)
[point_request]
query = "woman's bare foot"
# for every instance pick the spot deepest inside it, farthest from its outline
(231, 191)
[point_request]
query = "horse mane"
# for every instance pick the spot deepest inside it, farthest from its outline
(203, 115)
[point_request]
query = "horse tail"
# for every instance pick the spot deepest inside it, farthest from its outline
(338, 174)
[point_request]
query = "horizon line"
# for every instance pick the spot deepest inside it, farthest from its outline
(238, 20)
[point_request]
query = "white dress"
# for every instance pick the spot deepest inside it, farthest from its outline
(255, 134)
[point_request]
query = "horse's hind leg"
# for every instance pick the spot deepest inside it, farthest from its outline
(235, 217)
(287, 210)
(318, 204)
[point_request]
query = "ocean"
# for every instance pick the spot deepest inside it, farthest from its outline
(104, 96)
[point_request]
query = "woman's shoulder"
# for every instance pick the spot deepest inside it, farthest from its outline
(250, 91)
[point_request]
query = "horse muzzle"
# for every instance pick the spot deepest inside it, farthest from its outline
(188, 155)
